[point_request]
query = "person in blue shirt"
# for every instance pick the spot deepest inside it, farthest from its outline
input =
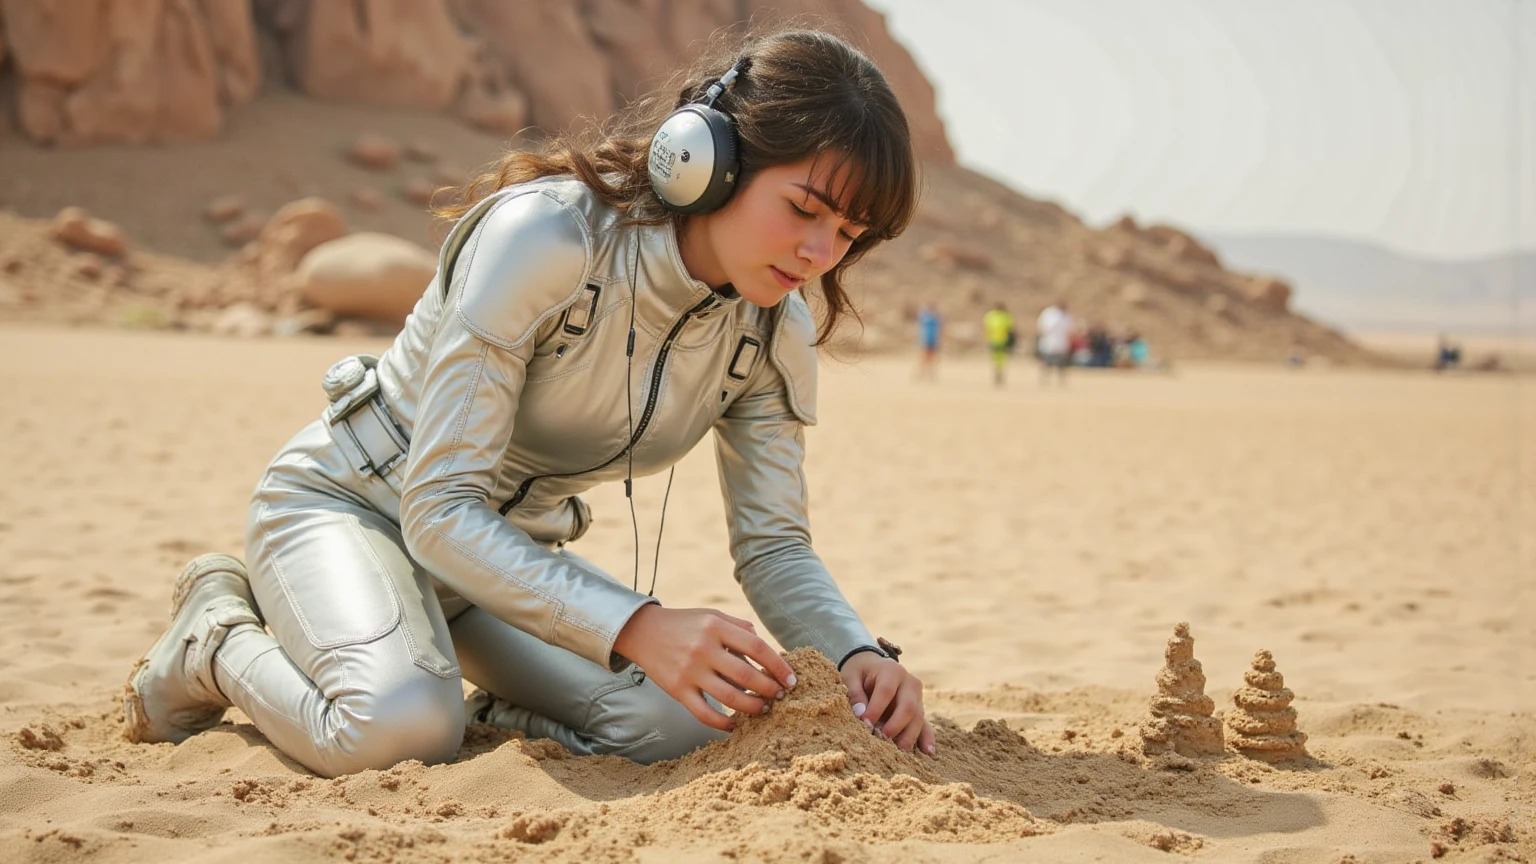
(929, 325)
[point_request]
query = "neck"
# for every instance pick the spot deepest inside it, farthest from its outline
(698, 256)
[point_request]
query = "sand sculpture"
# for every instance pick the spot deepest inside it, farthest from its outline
(1181, 720)
(1263, 725)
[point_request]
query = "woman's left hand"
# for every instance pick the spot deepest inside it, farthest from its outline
(889, 700)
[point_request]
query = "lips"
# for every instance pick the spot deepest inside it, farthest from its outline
(788, 281)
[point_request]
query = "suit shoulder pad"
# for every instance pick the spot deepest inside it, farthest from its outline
(525, 258)
(793, 351)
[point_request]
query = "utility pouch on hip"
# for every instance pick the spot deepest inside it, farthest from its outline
(360, 421)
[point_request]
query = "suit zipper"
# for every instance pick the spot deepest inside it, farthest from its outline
(645, 416)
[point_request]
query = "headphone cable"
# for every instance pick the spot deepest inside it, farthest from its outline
(629, 407)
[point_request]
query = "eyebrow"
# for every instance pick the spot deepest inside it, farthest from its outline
(826, 199)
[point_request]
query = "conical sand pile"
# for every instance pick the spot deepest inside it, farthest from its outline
(1181, 720)
(1263, 726)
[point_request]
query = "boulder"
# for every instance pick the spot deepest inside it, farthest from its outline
(366, 275)
(292, 232)
(76, 229)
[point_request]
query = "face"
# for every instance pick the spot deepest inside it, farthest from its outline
(778, 232)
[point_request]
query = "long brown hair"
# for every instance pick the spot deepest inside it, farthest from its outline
(801, 93)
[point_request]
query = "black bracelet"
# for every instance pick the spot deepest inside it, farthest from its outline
(884, 647)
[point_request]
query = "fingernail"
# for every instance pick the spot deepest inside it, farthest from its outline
(766, 707)
(779, 695)
(792, 680)
(928, 748)
(858, 709)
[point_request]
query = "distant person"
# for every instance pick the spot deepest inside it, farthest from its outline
(1053, 341)
(997, 325)
(1139, 351)
(1448, 355)
(929, 327)
(1101, 348)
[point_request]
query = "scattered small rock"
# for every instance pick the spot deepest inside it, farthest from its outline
(224, 208)
(419, 151)
(374, 151)
(367, 199)
(243, 229)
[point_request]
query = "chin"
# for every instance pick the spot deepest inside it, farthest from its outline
(765, 297)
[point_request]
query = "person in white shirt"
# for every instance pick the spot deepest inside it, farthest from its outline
(1053, 341)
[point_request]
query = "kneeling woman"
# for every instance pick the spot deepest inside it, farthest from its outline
(598, 309)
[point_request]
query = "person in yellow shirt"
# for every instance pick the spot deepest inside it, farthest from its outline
(997, 325)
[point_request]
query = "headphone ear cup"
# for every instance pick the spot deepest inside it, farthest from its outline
(693, 163)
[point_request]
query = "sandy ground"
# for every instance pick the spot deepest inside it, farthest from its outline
(1030, 547)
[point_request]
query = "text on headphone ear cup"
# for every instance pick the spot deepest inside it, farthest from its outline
(692, 160)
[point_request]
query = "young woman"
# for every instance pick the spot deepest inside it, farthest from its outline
(598, 309)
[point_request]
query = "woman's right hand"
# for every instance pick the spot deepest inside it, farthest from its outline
(692, 652)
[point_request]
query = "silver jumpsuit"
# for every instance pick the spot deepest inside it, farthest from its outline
(415, 535)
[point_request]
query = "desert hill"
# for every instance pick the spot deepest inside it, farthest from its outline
(86, 126)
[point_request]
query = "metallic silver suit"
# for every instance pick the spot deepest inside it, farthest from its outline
(415, 534)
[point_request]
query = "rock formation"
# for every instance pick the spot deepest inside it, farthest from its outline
(129, 71)
(151, 71)
(1181, 720)
(1263, 725)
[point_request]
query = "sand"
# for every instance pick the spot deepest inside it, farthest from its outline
(1031, 549)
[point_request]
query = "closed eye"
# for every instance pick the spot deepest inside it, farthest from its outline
(806, 214)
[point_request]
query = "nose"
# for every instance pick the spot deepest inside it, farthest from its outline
(818, 247)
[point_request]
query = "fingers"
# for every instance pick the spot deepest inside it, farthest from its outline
(734, 697)
(881, 698)
(749, 645)
(858, 700)
(925, 740)
(906, 722)
(702, 711)
(738, 671)
(906, 719)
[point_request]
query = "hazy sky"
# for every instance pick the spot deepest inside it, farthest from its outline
(1407, 122)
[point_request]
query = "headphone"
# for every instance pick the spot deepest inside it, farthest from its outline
(693, 161)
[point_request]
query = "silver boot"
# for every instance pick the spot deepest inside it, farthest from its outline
(171, 694)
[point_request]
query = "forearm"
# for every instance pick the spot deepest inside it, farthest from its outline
(796, 598)
(498, 567)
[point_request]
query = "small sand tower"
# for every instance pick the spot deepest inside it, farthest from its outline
(1263, 725)
(1181, 720)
